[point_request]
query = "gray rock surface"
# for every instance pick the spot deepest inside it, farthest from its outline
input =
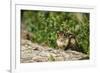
(33, 52)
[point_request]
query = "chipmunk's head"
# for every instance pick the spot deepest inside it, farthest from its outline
(60, 34)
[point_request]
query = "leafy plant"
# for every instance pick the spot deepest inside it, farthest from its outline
(44, 26)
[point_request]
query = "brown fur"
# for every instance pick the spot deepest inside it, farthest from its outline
(67, 41)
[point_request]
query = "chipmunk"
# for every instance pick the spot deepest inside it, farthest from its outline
(62, 41)
(67, 41)
(73, 44)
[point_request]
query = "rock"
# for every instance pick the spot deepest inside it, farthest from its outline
(39, 59)
(59, 58)
(33, 52)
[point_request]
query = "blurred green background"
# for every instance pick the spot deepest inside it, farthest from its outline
(44, 26)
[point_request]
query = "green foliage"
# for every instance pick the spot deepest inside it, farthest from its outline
(44, 26)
